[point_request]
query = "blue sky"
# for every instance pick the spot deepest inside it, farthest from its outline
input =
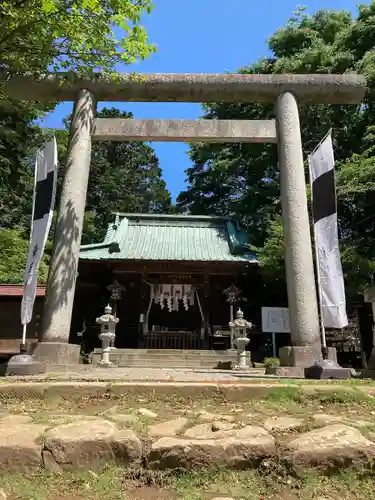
(202, 36)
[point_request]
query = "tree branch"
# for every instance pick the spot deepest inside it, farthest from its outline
(22, 28)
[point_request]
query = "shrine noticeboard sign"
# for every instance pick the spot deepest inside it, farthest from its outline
(370, 294)
(275, 320)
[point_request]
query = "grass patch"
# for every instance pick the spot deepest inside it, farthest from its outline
(353, 396)
(106, 485)
(350, 382)
(119, 484)
(339, 396)
(284, 394)
(346, 485)
(256, 484)
(244, 484)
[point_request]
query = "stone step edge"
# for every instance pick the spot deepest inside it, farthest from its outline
(282, 457)
(167, 365)
(165, 356)
(194, 352)
(271, 452)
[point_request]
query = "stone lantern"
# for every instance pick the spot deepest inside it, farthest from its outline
(232, 295)
(107, 334)
(116, 290)
(240, 340)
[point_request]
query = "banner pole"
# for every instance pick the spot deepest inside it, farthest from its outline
(318, 278)
(24, 326)
(23, 348)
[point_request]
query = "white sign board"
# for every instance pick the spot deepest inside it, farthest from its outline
(275, 320)
(370, 295)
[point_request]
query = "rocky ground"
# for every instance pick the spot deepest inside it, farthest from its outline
(257, 449)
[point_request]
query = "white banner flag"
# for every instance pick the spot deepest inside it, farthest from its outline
(45, 180)
(330, 276)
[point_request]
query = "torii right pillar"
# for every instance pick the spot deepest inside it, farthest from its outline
(302, 297)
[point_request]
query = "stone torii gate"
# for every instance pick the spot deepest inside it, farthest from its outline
(285, 91)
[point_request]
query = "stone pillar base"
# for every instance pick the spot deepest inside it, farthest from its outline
(286, 371)
(57, 353)
(106, 364)
(303, 356)
(327, 369)
(24, 365)
(243, 362)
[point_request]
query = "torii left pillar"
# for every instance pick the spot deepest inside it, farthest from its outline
(54, 347)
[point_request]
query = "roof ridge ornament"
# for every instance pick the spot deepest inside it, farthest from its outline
(118, 238)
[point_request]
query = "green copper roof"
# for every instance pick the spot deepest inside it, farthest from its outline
(171, 237)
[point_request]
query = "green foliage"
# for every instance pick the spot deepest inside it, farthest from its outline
(235, 179)
(13, 251)
(19, 140)
(284, 394)
(36, 36)
(243, 180)
(356, 192)
(271, 254)
(356, 176)
(72, 35)
(271, 362)
(78, 37)
(124, 177)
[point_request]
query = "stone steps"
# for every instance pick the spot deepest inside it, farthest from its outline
(173, 352)
(124, 362)
(168, 358)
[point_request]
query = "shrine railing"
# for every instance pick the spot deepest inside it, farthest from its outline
(173, 340)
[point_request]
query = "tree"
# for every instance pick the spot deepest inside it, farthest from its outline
(235, 179)
(37, 36)
(356, 191)
(243, 180)
(124, 177)
(19, 140)
(71, 35)
(14, 250)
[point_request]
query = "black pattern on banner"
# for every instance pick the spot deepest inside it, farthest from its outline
(43, 197)
(324, 196)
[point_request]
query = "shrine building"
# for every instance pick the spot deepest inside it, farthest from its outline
(169, 278)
